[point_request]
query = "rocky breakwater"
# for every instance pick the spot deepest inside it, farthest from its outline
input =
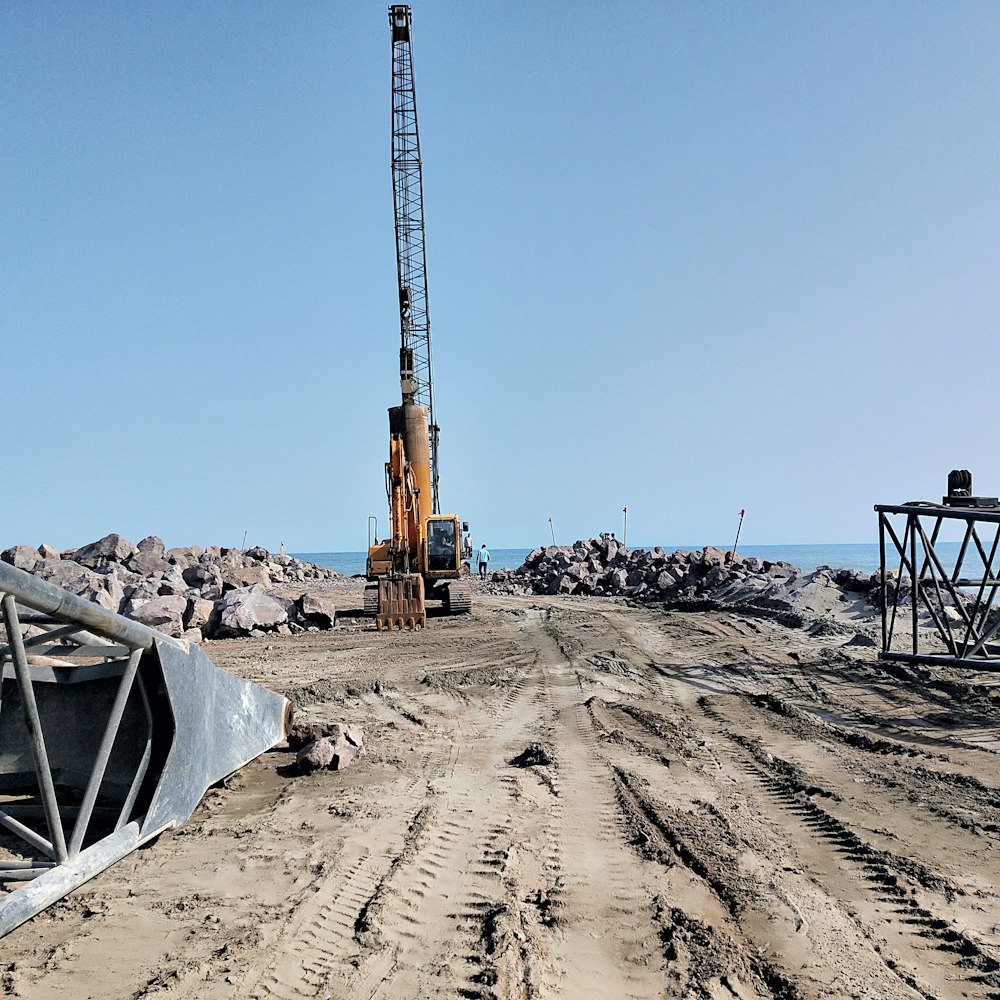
(603, 567)
(190, 592)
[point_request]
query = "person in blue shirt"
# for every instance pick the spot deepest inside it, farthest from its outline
(483, 558)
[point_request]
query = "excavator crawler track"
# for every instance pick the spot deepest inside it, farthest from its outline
(459, 598)
(371, 599)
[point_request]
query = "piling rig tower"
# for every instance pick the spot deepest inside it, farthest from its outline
(411, 266)
(422, 558)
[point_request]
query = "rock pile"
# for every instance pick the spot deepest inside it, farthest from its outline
(189, 592)
(605, 567)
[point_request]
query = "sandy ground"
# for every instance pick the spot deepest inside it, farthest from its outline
(732, 809)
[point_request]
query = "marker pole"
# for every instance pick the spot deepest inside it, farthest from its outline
(739, 527)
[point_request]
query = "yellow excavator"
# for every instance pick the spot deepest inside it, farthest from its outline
(422, 558)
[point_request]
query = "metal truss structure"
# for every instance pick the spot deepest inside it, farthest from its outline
(958, 598)
(110, 733)
(408, 202)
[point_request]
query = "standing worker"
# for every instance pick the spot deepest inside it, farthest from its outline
(467, 545)
(483, 558)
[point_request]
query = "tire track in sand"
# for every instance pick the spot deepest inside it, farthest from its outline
(599, 883)
(423, 930)
(317, 942)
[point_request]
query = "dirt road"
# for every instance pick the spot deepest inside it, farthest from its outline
(710, 805)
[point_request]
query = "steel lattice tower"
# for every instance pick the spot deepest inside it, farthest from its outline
(408, 201)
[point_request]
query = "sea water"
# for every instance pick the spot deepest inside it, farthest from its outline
(863, 556)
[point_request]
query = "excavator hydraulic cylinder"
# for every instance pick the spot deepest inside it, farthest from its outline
(409, 421)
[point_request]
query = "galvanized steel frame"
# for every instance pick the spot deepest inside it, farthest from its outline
(204, 725)
(969, 630)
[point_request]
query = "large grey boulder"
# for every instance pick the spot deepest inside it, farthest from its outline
(199, 612)
(855, 580)
(333, 746)
(318, 611)
(314, 756)
(151, 545)
(110, 548)
(711, 556)
(240, 611)
(24, 557)
(148, 563)
(163, 613)
(533, 558)
(184, 556)
(563, 583)
(202, 575)
(104, 589)
(138, 593)
(561, 560)
(114, 586)
(172, 583)
(239, 577)
(67, 574)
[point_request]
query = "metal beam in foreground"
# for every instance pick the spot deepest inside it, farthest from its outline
(110, 733)
(958, 592)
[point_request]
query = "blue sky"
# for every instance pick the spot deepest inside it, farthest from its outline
(689, 258)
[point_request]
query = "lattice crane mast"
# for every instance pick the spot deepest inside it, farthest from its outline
(416, 375)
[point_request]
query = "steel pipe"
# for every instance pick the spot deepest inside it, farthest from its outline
(22, 874)
(104, 753)
(45, 889)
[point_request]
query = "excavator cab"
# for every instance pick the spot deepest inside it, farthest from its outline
(442, 546)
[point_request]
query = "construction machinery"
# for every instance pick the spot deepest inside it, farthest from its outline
(422, 558)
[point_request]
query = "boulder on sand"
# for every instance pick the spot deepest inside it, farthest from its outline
(318, 611)
(334, 746)
(315, 755)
